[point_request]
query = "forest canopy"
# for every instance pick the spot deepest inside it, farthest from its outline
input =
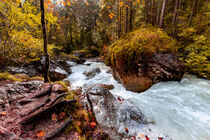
(92, 25)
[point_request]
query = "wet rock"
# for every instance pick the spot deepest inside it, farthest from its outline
(91, 73)
(113, 113)
(100, 135)
(106, 86)
(10, 92)
(71, 63)
(29, 70)
(150, 70)
(57, 74)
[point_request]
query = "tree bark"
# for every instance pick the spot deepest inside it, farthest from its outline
(126, 21)
(46, 55)
(131, 15)
(175, 13)
(162, 14)
(193, 13)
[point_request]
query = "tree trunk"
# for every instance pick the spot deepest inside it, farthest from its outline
(119, 20)
(46, 55)
(158, 14)
(162, 14)
(175, 13)
(126, 20)
(193, 13)
(131, 15)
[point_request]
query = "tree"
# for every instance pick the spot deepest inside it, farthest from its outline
(162, 14)
(46, 55)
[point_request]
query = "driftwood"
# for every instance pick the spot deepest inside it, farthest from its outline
(25, 101)
(60, 129)
(56, 99)
(36, 108)
(44, 92)
(46, 111)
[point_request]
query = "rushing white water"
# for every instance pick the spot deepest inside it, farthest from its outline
(179, 109)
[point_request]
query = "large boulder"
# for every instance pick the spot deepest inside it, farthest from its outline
(91, 73)
(115, 116)
(150, 70)
(28, 70)
(57, 74)
(10, 92)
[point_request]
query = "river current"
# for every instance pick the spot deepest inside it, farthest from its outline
(178, 109)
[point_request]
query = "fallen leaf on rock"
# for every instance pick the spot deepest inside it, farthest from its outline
(93, 124)
(40, 134)
(126, 130)
(119, 99)
(160, 138)
(141, 135)
(54, 117)
(62, 115)
(147, 138)
(3, 113)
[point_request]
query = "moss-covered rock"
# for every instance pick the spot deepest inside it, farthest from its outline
(144, 57)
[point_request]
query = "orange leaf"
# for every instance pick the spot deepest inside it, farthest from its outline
(40, 134)
(92, 124)
(54, 116)
(3, 113)
(126, 130)
(141, 136)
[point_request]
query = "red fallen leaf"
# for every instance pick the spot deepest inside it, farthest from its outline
(134, 138)
(93, 124)
(40, 134)
(119, 99)
(160, 138)
(147, 138)
(126, 130)
(61, 115)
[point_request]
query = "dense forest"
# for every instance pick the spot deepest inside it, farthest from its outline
(144, 42)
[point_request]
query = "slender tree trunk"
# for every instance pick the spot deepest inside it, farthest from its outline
(162, 14)
(158, 14)
(175, 13)
(152, 14)
(46, 55)
(126, 21)
(193, 13)
(131, 15)
(119, 20)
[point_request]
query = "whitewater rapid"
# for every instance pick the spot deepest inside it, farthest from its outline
(178, 109)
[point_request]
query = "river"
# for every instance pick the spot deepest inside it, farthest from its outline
(178, 109)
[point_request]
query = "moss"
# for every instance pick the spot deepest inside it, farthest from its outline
(16, 77)
(127, 51)
(6, 76)
(36, 78)
(65, 87)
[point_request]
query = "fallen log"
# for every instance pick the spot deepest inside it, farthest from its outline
(44, 91)
(36, 108)
(60, 129)
(46, 112)
(56, 99)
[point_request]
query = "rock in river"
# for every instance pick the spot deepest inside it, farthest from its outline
(91, 73)
(113, 114)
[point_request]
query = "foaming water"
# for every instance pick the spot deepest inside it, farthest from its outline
(179, 109)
